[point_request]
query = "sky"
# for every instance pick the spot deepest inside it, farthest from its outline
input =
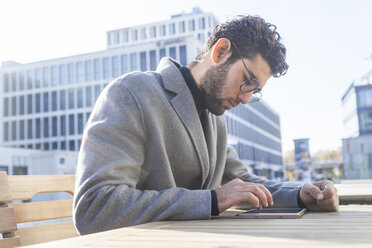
(329, 45)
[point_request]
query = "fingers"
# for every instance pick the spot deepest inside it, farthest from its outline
(237, 191)
(314, 191)
(320, 195)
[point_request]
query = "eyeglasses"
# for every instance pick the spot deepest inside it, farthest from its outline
(251, 84)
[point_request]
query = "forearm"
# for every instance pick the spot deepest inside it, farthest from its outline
(117, 206)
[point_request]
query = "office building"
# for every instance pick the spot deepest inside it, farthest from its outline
(47, 103)
(357, 122)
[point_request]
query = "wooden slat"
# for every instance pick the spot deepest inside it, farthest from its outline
(45, 233)
(10, 242)
(25, 187)
(4, 188)
(7, 220)
(38, 211)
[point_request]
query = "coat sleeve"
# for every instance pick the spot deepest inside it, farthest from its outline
(285, 194)
(109, 167)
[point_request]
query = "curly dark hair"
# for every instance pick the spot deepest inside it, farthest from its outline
(252, 35)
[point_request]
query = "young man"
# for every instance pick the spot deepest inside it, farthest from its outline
(155, 146)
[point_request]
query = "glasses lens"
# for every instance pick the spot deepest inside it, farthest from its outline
(249, 86)
(256, 96)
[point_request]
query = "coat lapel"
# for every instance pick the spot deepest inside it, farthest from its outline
(183, 104)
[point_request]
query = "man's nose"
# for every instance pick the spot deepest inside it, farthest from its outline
(244, 97)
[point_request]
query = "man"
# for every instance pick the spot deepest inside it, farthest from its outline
(155, 146)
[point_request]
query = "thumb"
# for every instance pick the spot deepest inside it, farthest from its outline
(315, 192)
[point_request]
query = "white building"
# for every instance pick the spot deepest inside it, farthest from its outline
(46, 104)
(16, 161)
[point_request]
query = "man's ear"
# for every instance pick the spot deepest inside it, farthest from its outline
(221, 50)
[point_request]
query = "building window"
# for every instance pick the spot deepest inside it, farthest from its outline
(63, 125)
(134, 35)
(143, 64)
(88, 70)
(79, 71)
(45, 76)
(115, 66)
(54, 100)
(162, 53)
(21, 80)
(54, 145)
(133, 61)
(46, 127)
(80, 97)
(4, 168)
(62, 74)
(14, 130)
(38, 128)
(46, 146)
(29, 104)
(97, 91)
(153, 60)
(6, 107)
(20, 170)
(88, 115)
(71, 96)
(22, 130)
(143, 34)
(202, 23)
(124, 63)
(14, 82)
(105, 62)
(29, 129)
(29, 79)
(97, 69)
(181, 27)
(22, 105)
(125, 37)
(191, 25)
(88, 96)
(14, 106)
(163, 30)
(70, 73)
(38, 103)
(6, 131)
(37, 78)
(6, 82)
(53, 75)
(46, 101)
(71, 124)
(54, 126)
(80, 123)
(172, 52)
(153, 32)
(116, 37)
(108, 38)
(62, 99)
(172, 28)
(72, 145)
(183, 56)
(63, 145)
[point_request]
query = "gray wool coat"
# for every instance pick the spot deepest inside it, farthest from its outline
(144, 156)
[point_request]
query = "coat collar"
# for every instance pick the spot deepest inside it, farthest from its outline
(184, 105)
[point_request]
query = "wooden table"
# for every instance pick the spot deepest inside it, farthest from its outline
(354, 192)
(350, 227)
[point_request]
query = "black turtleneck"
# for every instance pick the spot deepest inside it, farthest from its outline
(198, 96)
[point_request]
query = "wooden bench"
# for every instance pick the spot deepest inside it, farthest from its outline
(16, 188)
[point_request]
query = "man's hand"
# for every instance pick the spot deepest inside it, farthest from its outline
(320, 195)
(237, 191)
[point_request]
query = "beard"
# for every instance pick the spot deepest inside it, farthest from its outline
(212, 85)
